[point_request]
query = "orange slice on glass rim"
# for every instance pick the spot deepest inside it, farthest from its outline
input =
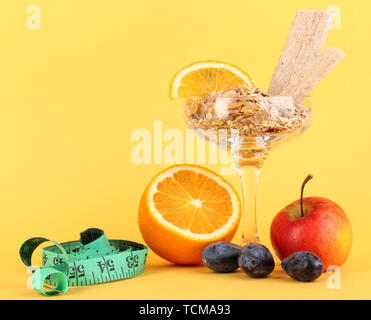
(207, 77)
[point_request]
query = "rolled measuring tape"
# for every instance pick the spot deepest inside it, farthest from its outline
(93, 259)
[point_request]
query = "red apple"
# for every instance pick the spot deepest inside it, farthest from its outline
(312, 224)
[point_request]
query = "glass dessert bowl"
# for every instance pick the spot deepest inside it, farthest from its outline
(224, 106)
(249, 124)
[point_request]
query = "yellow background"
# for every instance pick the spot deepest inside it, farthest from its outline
(72, 93)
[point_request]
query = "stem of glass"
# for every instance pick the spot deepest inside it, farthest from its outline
(249, 176)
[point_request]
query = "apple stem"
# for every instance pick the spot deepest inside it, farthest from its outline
(309, 176)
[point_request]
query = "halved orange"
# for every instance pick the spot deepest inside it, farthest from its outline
(206, 77)
(184, 208)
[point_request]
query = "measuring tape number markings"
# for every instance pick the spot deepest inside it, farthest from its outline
(93, 259)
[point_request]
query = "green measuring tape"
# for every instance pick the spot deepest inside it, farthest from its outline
(93, 259)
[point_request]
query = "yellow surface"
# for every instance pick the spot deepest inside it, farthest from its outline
(73, 92)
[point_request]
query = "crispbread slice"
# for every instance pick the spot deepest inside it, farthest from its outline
(279, 102)
(305, 41)
(310, 77)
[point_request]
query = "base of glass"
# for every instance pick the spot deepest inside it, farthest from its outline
(254, 239)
